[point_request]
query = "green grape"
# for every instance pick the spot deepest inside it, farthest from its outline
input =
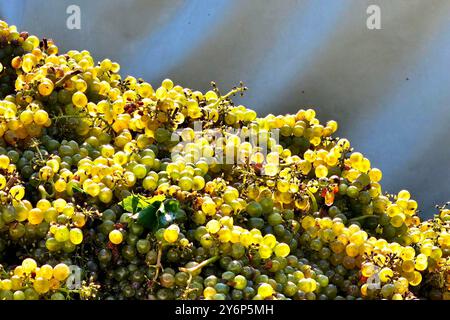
(140, 171)
(62, 234)
(171, 233)
(75, 235)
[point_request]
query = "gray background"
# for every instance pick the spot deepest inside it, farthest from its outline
(387, 88)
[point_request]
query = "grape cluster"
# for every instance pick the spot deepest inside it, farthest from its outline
(30, 282)
(113, 178)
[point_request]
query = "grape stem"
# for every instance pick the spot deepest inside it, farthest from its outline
(67, 77)
(11, 182)
(232, 92)
(200, 265)
(191, 270)
(68, 292)
(158, 262)
(39, 152)
(313, 201)
(77, 116)
(3, 271)
(44, 193)
(363, 218)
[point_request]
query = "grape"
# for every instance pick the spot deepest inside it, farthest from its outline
(35, 216)
(139, 171)
(167, 84)
(321, 171)
(75, 235)
(352, 191)
(41, 285)
(61, 272)
(185, 183)
(57, 296)
(213, 226)
(29, 265)
(115, 236)
(143, 246)
(171, 233)
(4, 161)
(282, 250)
(254, 209)
(46, 271)
(105, 195)
(265, 251)
(26, 117)
(62, 234)
(265, 290)
(19, 295)
(79, 99)
(45, 87)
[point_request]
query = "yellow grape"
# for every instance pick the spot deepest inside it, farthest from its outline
(45, 88)
(171, 233)
(61, 271)
(265, 290)
(116, 237)
(282, 250)
(29, 265)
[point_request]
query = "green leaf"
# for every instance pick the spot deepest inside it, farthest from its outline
(165, 218)
(136, 203)
(171, 205)
(77, 188)
(130, 203)
(148, 216)
(154, 213)
(180, 215)
(159, 198)
(170, 212)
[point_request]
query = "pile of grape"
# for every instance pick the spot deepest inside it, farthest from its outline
(109, 190)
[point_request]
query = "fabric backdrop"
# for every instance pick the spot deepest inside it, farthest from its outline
(387, 88)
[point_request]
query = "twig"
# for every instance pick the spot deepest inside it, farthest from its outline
(313, 201)
(67, 77)
(200, 265)
(158, 262)
(232, 92)
(364, 217)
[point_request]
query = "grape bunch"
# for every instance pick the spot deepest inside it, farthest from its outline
(111, 188)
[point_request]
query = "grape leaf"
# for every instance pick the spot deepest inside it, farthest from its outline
(170, 212)
(130, 203)
(171, 205)
(77, 188)
(148, 217)
(165, 218)
(159, 198)
(136, 203)
(154, 213)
